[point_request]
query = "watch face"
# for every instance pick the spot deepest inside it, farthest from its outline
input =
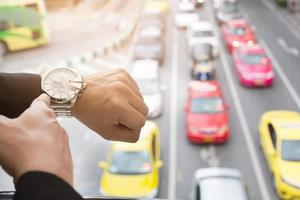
(62, 84)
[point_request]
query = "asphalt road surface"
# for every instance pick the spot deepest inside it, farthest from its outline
(181, 158)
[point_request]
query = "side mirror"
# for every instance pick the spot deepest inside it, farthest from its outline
(102, 164)
(159, 164)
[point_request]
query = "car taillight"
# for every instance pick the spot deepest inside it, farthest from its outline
(36, 35)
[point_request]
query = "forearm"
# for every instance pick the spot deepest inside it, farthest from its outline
(17, 91)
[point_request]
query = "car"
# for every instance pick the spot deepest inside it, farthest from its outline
(203, 32)
(279, 136)
(163, 5)
(132, 170)
(150, 33)
(206, 114)
(237, 33)
(149, 47)
(186, 15)
(146, 74)
(149, 23)
(227, 11)
(218, 184)
(203, 64)
(253, 66)
(216, 3)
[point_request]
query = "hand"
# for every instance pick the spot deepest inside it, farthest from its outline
(112, 106)
(35, 142)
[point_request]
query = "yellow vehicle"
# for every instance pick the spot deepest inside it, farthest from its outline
(163, 5)
(132, 170)
(22, 24)
(279, 133)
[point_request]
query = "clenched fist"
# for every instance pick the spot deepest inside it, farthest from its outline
(112, 106)
(35, 142)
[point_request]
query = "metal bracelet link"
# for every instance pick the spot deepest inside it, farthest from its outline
(64, 110)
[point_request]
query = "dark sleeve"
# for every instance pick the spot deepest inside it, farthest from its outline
(17, 91)
(44, 186)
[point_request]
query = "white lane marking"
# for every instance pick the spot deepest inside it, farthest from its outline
(282, 75)
(290, 50)
(262, 185)
(209, 155)
(173, 117)
(285, 20)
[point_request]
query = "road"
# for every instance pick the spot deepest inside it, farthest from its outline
(181, 158)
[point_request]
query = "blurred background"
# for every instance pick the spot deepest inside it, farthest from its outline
(220, 78)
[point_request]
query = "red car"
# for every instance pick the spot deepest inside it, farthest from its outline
(206, 119)
(253, 66)
(237, 33)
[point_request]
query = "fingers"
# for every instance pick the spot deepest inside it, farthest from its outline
(122, 133)
(42, 100)
(131, 118)
(138, 104)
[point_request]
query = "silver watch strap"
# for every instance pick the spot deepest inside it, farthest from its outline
(62, 110)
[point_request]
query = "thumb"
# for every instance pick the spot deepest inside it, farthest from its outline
(42, 100)
(3, 121)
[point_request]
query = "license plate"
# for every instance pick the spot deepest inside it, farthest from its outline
(259, 82)
(208, 139)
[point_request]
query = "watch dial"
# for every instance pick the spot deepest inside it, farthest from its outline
(62, 84)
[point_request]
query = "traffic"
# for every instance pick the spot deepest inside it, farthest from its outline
(223, 120)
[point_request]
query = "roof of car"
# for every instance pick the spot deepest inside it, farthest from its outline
(204, 88)
(248, 49)
(238, 23)
(223, 181)
(141, 144)
(145, 69)
(202, 25)
(286, 123)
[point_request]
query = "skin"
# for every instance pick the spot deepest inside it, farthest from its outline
(35, 142)
(112, 106)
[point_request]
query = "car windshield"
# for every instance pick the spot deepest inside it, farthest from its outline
(253, 59)
(238, 31)
(229, 7)
(290, 150)
(207, 105)
(203, 34)
(148, 86)
(131, 162)
(202, 52)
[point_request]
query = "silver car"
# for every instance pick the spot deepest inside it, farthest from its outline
(218, 184)
(146, 74)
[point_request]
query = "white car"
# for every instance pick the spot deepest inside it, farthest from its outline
(203, 32)
(218, 184)
(146, 74)
(186, 15)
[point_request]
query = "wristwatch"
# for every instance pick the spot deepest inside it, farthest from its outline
(64, 86)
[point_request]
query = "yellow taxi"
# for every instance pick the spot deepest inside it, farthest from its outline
(132, 170)
(163, 5)
(279, 133)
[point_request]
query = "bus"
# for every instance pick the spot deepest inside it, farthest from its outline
(22, 25)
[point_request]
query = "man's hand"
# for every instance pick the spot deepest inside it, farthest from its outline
(112, 106)
(35, 142)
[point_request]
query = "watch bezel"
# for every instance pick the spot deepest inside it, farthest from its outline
(63, 100)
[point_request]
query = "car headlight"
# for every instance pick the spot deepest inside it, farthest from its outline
(292, 183)
(270, 75)
(151, 194)
(250, 43)
(235, 43)
(223, 129)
